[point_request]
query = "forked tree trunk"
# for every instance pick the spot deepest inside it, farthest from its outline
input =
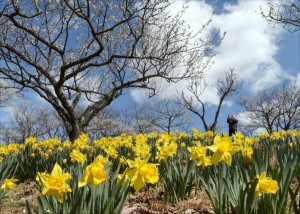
(73, 130)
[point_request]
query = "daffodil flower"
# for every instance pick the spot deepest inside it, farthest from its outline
(78, 156)
(265, 185)
(8, 184)
(55, 183)
(223, 150)
(141, 172)
(204, 161)
(199, 152)
(95, 173)
(166, 150)
(247, 153)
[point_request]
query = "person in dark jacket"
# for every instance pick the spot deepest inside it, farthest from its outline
(232, 122)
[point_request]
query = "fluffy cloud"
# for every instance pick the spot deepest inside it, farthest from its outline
(250, 46)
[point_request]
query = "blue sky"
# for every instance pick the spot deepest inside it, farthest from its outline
(261, 54)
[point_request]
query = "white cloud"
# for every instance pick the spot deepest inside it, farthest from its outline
(138, 95)
(250, 46)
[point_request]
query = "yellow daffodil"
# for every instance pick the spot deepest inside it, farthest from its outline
(112, 152)
(293, 133)
(81, 141)
(247, 153)
(264, 134)
(30, 140)
(67, 145)
(223, 149)
(76, 155)
(122, 160)
(283, 133)
(197, 135)
(209, 134)
(46, 156)
(142, 150)
(265, 185)
(197, 151)
(8, 184)
(4, 150)
(166, 150)
(204, 161)
(65, 161)
(13, 148)
(141, 172)
(250, 140)
(238, 135)
(95, 173)
(275, 136)
(55, 183)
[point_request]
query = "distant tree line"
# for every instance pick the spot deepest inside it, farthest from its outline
(33, 120)
(273, 109)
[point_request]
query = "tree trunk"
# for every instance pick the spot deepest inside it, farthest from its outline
(73, 130)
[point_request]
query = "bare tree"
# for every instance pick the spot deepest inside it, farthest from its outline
(140, 119)
(284, 12)
(288, 102)
(107, 123)
(169, 115)
(30, 120)
(226, 87)
(7, 93)
(248, 129)
(72, 52)
(274, 109)
(262, 110)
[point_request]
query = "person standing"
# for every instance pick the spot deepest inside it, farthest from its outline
(232, 122)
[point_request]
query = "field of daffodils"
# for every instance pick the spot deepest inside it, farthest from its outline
(239, 174)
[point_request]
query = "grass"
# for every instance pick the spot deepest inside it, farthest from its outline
(150, 201)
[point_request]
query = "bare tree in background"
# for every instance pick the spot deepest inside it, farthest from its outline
(169, 115)
(225, 87)
(164, 115)
(30, 120)
(262, 110)
(139, 119)
(248, 128)
(72, 52)
(286, 13)
(107, 123)
(288, 99)
(7, 93)
(274, 109)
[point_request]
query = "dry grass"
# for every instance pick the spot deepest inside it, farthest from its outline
(152, 202)
(145, 202)
(15, 200)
